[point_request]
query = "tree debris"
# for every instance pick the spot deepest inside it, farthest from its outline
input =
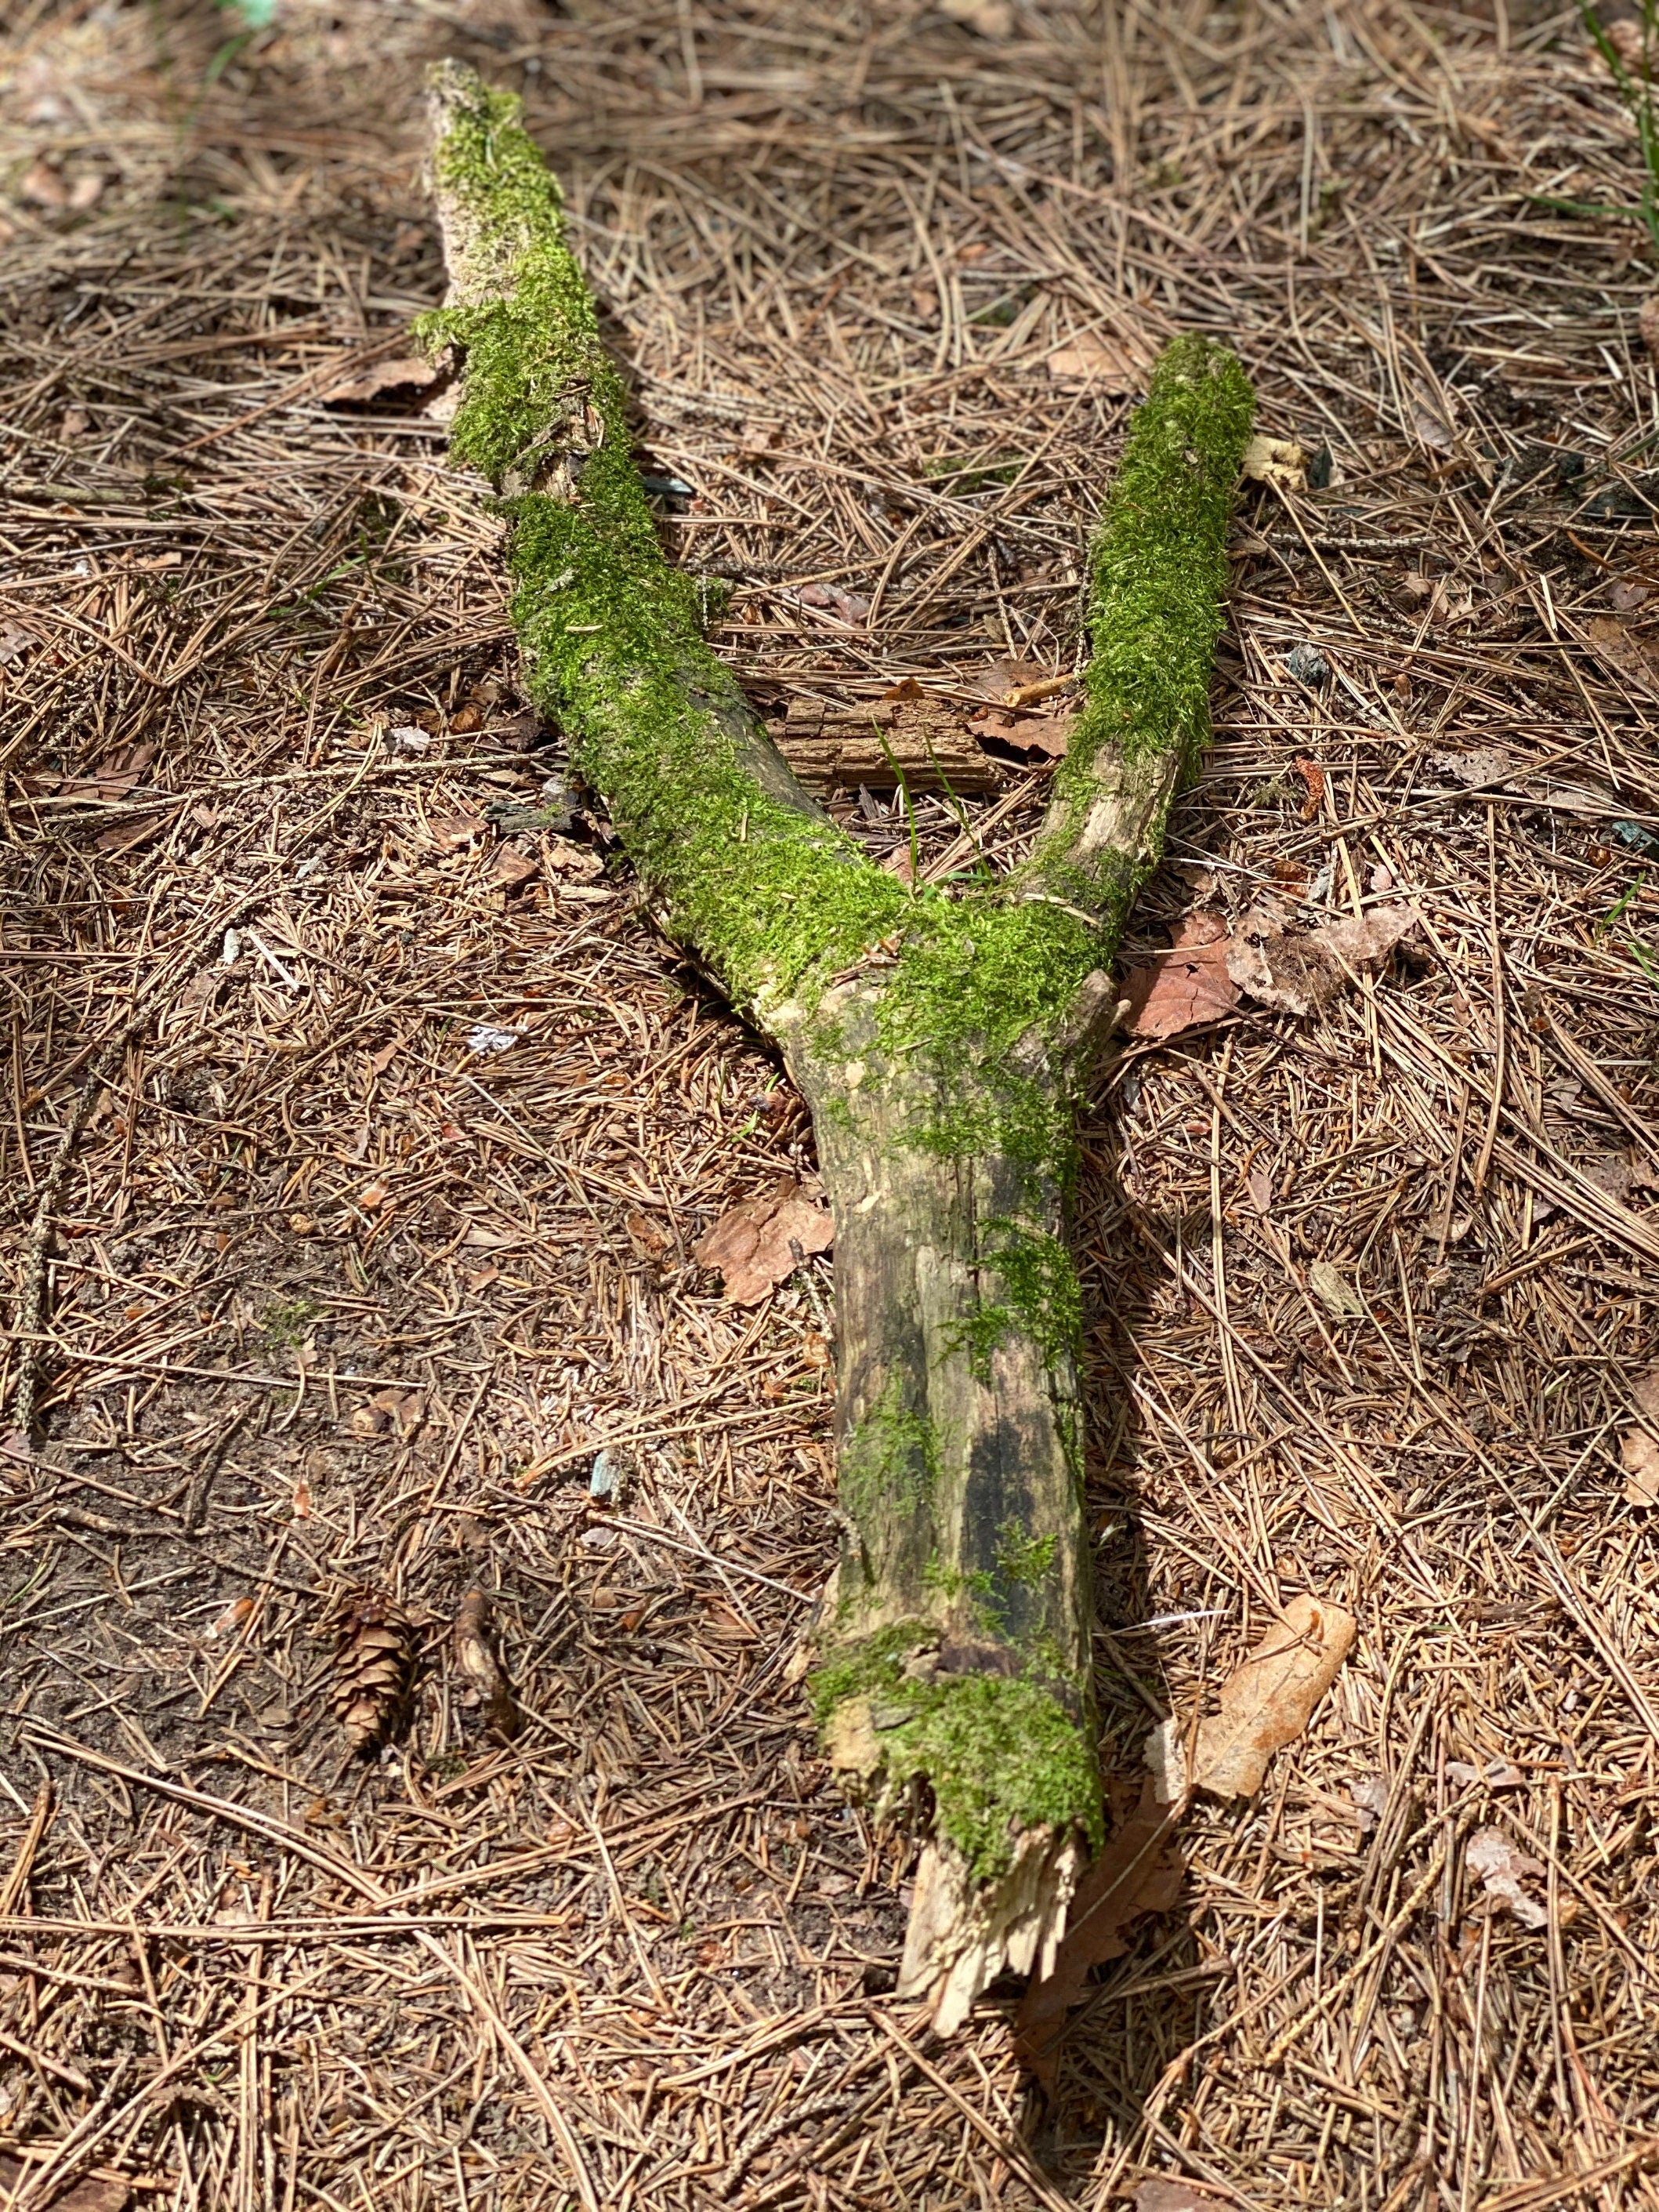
(1501, 1867)
(1639, 1447)
(1140, 1871)
(760, 1242)
(374, 1670)
(478, 1662)
(1267, 1702)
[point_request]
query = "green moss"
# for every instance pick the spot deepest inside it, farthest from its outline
(1157, 579)
(288, 1322)
(1041, 1296)
(1021, 1558)
(614, 649)
(999, 1753)
(890, 1459)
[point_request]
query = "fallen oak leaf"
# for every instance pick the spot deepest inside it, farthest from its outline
(1188, 986)
(1267, 1701)
(1137, 1872)
(759, 1243)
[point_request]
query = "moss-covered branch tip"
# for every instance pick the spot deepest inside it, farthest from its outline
(772, 897)
(1000, 1755)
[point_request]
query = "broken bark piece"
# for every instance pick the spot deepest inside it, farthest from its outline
(923, 740)
(478, 1664)
(760, 1243)
(1140, 1871)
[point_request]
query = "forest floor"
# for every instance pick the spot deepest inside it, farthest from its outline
(343, 1291)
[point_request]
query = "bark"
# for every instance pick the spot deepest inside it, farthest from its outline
(943, 1042)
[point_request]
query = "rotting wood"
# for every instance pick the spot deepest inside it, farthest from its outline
(922, 742)
(942, 1041)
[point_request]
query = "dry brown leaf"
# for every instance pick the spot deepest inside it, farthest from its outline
(406, 373)
(1159, 2195)
(580, 864)
(1140, 1871)
(1335, 1292)
(449, 832)
(43, 187)
(1638, 1448)
(129, 835)
(402, 1408)
(479, 1666)
(1113, 365)
(992, 19)
(1621, 653)
(1003, 680)
(1365, 940)
(1299, 975)
(1500, 1866)
(93, 2193)
(751, 1241)
(1278, 462)
(512, 871)
(1188, 986)
(1266, 1703)
(1047, 735)
(1484, 765)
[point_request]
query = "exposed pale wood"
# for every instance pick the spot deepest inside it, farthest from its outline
(923, 742)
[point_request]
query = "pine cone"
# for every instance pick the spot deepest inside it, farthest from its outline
(375, 1669)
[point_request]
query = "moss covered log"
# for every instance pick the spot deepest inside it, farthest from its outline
(942, 1040)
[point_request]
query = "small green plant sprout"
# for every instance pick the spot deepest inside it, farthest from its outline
(289, 1323)
(1628, 47)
